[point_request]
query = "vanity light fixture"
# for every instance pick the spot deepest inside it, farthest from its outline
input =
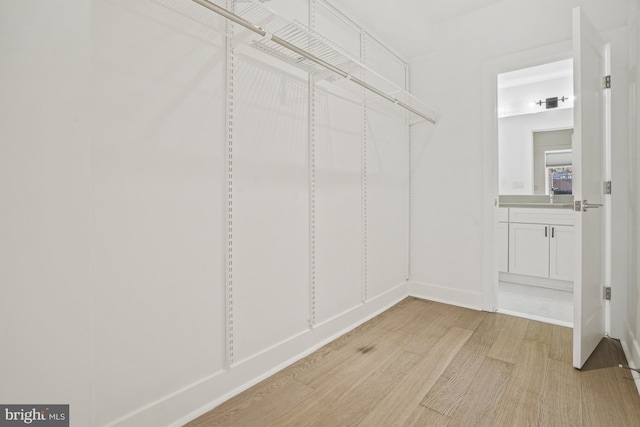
(552, 102)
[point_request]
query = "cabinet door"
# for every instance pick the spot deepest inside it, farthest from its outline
(529, 249)
(561, 250)
(503, 246)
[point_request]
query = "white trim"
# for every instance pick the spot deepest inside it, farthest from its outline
(534, 317)
(446, 295)
(543, 282)
(202, 396)
(491, 69)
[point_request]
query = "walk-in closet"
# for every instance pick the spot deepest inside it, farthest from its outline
(197, 196)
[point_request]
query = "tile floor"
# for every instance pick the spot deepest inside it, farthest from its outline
(536, 303)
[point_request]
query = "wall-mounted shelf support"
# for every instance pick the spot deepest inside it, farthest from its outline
(281, 42)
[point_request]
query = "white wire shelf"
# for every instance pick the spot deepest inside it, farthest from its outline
(296, 34)
(293, 43)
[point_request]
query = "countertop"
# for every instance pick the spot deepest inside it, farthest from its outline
(536, 201)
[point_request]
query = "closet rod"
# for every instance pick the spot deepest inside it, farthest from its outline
(260, 31)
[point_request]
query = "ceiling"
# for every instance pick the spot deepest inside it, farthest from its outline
(408, 33)
(540, 73)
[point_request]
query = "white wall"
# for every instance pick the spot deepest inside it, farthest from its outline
(157, 166)
(184, 244)
(522, 99)
(45, 284)
(449, 220)
(338, 243)
(183, 203)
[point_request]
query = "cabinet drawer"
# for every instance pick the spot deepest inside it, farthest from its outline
(541, 216)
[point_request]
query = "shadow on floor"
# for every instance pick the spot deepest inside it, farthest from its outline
(608, 354)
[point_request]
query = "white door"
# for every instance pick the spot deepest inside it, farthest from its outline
(588, 153)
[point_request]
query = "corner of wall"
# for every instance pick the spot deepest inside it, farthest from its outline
(446, 295)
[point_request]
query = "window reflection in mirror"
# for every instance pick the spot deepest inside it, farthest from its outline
(559, 172)
(552, 156)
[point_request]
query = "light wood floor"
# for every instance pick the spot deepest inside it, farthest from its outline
(423, 363)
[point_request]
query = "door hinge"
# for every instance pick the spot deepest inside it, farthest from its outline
(607, 82)
(607, 293)
(607, 187)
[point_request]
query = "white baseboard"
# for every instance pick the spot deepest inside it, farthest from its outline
(631, 347)
(198, 398)
(446, 295)
(536, 318)
(561, 285)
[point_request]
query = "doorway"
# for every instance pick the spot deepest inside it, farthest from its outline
(535, 127)
(591, 165)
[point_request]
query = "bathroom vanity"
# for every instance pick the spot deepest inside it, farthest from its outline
(536, 241)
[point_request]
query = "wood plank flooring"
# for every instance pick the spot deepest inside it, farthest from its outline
(423, 363)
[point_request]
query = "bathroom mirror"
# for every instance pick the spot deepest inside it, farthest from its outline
(535, 127)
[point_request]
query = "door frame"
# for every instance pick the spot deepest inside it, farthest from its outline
(491, 69)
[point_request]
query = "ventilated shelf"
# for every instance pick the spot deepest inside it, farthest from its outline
(295, 44)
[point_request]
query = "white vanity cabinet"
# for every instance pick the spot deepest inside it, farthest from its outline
(541, 243)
